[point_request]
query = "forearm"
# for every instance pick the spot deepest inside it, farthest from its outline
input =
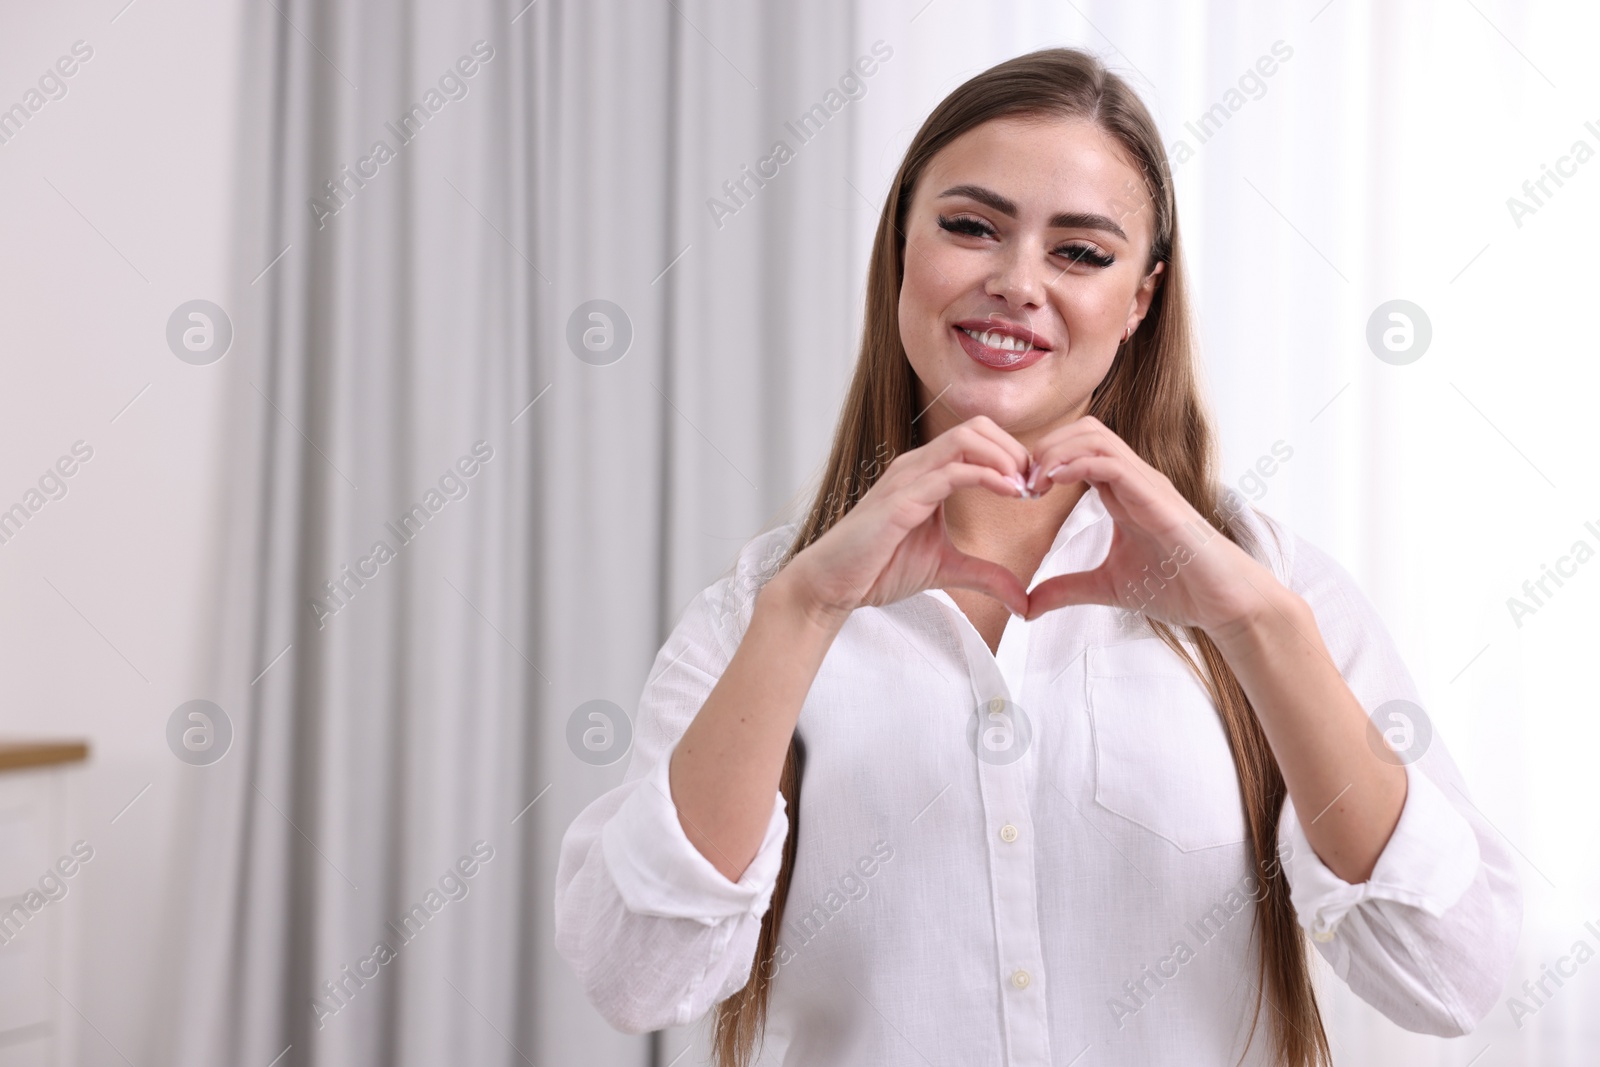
(1348, 799)
(724, 771)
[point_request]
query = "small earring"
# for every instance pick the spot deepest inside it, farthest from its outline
(1127, 333)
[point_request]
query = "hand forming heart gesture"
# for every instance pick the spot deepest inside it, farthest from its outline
(1165, 558)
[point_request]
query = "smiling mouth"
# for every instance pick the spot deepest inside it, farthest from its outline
(997, 340)
(998, 350)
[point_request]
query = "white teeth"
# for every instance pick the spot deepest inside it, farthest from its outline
(996, 339)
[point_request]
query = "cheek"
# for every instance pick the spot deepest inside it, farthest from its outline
(924, 283)
(924, 294)
(1094, 308)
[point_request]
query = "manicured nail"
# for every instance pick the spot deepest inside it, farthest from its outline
(1016, 480)
(1033, 474)
(1051, 473)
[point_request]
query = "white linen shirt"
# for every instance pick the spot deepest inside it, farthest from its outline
(1066, 875)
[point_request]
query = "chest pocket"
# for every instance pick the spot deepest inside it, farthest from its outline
(1160, 751)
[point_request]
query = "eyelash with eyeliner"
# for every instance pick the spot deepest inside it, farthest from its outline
(974, 228)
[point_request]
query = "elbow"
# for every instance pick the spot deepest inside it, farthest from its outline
(1473, 1013)
(1469, 1007)
(1460, 1022)
(1496, 958)
(609, 993)
(629, 1021)
(1479, 996)
(611, 981)
(1484, 971)
(624, 1007)
(1453, 1011)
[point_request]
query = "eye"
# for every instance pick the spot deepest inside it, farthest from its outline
(1085, 254)
(1077, 253)
(966, 224)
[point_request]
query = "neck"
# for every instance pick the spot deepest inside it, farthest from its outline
(983, 524)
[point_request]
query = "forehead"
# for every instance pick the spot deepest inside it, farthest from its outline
(1045, 165)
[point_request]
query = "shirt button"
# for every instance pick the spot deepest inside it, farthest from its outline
(997, 706)
(1323, 935)
(1021, 979)
(1008, 833)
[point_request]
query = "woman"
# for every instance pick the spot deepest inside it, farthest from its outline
(1086, 816)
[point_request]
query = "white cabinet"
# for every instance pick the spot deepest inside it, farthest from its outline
(33, 892)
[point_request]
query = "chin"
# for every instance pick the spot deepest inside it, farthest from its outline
(1005, 402)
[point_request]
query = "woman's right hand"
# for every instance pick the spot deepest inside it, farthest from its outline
(893, 542)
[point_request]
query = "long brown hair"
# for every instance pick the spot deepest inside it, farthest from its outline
(1151, 399)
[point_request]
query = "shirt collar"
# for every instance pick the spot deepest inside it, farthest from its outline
(1087, 512)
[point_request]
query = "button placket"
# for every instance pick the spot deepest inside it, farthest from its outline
(1004, 789)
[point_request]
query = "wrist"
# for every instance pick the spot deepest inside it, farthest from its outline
(1277, 609)
(788, 594)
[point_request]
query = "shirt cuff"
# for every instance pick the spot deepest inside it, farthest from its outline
(658, 871)
(1428, 862)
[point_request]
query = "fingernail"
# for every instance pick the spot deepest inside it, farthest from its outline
(1033, 473)
(1051, 473)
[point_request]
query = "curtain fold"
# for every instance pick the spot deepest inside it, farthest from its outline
(450, 524)
(380, 628)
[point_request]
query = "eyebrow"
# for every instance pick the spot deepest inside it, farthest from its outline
(1067, 220)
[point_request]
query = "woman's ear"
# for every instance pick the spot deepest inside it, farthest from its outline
(1147, 288)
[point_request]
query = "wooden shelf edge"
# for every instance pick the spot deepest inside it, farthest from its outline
(17, 755)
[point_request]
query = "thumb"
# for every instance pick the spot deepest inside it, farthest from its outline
(1079, 587)
(958, 569)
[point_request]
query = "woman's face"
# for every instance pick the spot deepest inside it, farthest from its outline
(1037, 226)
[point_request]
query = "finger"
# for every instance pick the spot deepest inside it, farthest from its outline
(982, 437)
(1075, 430)
(1103, 433)
(1086, 436)
(962, 571)
(1112, 443)
(1080, 587)
(1057, 456)
(915, 500)
(1129, 489)
(964, 444)
(989, 428)
(975, 437)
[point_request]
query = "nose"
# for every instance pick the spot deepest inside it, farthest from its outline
(1019, 276)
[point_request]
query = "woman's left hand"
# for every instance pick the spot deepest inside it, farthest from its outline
(1165, 559)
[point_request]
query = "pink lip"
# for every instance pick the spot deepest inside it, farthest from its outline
(995, 358)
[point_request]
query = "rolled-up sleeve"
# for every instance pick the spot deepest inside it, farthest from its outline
(658, 871)
(1429, 938)
(655, 933)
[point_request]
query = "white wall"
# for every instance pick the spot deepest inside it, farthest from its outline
(116, 201)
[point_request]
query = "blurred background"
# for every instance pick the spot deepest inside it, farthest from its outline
(381, 381)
